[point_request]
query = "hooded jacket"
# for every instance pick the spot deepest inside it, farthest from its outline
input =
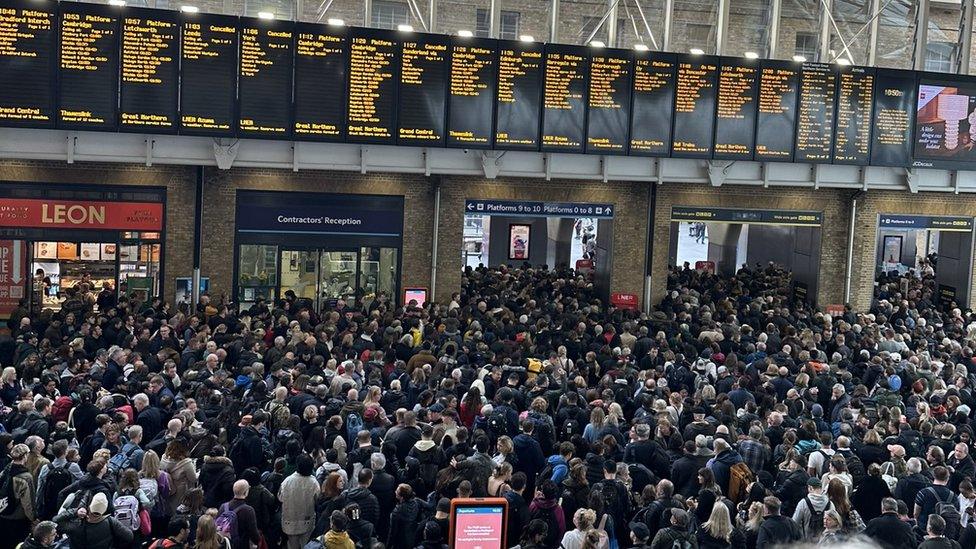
(369, 507)
(104, 533)
(404, 523)
(217, 480)
(721, 466)
(337, 540)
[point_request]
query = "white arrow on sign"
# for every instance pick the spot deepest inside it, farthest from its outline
(18, 274)
(470, 206)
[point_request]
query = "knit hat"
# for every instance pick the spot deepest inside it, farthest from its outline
(99, 504)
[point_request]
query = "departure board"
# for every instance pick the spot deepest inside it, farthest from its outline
(89, 66)
(608, 114)
(320, 78)
(518, 101)
(471, 93)
(423, 78)
(894, 111)
(264, 85)
(694, 107)
(776, 118)
(27, 55)
(735, 111)
(149, 78)
(815, 113)
(564, 99)
(208, 82)
(373, 73)
(654, 83)
(852, 132)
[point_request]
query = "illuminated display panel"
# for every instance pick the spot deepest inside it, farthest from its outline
(894, 115)
(609, 102)
(779, 83)
(815, 113)
(149, 88)
(944, 122)
(27, 63)
(564, 98)
(852, 132)
(735, 111)
(373, 73)
(518, 101)
(89, 66)
(694, 107)
(264, 81)
(653, 104)
(320, 81)
(471, 93)
(208, 76)
(423, 77)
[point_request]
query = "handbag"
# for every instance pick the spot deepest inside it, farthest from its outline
(145, 523)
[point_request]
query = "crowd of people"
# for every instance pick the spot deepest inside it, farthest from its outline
(728, 417)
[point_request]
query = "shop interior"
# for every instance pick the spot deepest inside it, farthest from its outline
(728, 246)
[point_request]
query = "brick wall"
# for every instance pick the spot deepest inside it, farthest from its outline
(629, 224)
(833, 203)
(872, 203)
(177, 180)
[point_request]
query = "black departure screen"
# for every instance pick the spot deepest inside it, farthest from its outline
(519, 98)
(815, 114)
(320, 81)
(373, 73)
(423, 80)
(208, 88)
(89, 62)
(564, 99)
(852, 135)
(27, 57)
(608, 117)
(150, 77)
(654, 84)
(894, 112)
(735, 113)
(471, 100)
(265, 78)
(694, 107)
(776, 118)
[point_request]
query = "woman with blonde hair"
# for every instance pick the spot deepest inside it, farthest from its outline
(584, 519)
(498, 483)
(506, 451)
(832, 532)
(594, 429)
(207, 535)
(182, 473)
(751, 523)
(718, 531)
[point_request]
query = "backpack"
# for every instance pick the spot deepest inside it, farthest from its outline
(953, 519)
(825, 464)
(151, 488)
(354, 424)
(122, 460)
(814, 525)
(226, 523)
(280, 414)
(608, 492)
(640, 477)
(854, 466)
(548, 516)
(546, 473)
(127, 511)
(681, 542)
(739, 478)
(427, 470)
(542, 431)
(57, 479)
(571, 427)
(497, 424)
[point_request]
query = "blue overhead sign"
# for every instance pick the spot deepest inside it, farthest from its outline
(521, 208)
(946, 223)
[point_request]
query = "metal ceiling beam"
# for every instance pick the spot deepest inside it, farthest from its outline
(776, 11)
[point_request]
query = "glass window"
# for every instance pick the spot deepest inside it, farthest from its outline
(851, 38)
(455, 15)
(943, 36)
(799, 29)
(352, 12)
(534, 17)
(257, 272)
(339, 276)
(806, 45)
(509, 29)
(483, 26)
(896, 30)
(578, 19)
(939, 56)
(388, 15)
(693, 25)
(378, 272)
(634, 24)
(748, 27)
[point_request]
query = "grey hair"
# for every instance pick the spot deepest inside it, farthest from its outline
(377, 461)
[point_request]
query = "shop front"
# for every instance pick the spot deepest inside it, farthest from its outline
(54, 238)
(323, 248)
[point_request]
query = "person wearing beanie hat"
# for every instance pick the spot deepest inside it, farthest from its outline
(93, 527)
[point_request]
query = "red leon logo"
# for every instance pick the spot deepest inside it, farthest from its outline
(73, 214)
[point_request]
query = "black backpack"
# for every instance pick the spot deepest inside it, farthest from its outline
(571, 427)
(640, 477)
(56, 480)
(814, 526)
(611, 503)
(542, 431)
(497, 424)
(854, 466)
(548, 516)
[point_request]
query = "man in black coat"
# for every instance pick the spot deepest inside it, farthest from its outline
(684, 471)
(888, 530)
(647, 452)
(794, 487)
(384, 488)
(406, 436)
(369, 506)
(776, 529)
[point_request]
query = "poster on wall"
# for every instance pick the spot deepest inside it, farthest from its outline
(184, 289)
(518, 242)
(13, 274)
(45, 250)
(67, 250)
(892, 249)
(90, 251)
(108, 252)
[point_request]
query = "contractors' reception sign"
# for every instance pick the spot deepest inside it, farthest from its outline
(73, 214)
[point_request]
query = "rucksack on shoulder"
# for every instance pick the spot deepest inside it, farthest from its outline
(739, 478)
(354, 424)
(127, 511)
(549, 517)
(226, 523)
(498, 424)
(814, 526)
(56, 480)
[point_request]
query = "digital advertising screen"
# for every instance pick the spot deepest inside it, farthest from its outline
(423, 80)
(471, 93)
(776, 118)
(608, 113)
(694, 107)
(478, 523)
(735, 112)
(264, 94)
(28, 30)
(518, 100)
(320, 78)
(150, 77)
(894, 112)
(945, 117)
(89, 63)
(650, 127)
(208, 75)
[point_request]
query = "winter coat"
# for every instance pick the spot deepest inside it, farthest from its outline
(369, 506)
(182, 479)
(217, 480)
(722, 465)
(297, 496)
(890, 532)
(106, 533)
(404, 523)
(777, 530)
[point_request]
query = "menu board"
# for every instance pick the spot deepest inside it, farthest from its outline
(815, 113)
(89, 63)
(27, 54)
(518, 101)
(564, 99)
(735, 111)
(264, 93)
(852, 135)
(208, 76)
(694, 107)
(373, 72)
(894, 110)
(149, 78)
(776, 117)
(608, 115)
(320, 77)
(654, 83)
(423, 76)
(944, 122)
(474, 68)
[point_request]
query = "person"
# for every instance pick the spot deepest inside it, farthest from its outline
(833, 533)
(217, 477)
(809, 512)
(534, 535)
(337, 537)
(297, 495)
(545, 507)
(888, 529)
(676, 534)
(93, 528)
(404, 522)
(928, 498)
(776, 528)
(935, 535)
(718, 531)
(584, 520)
(17, 489)
(180, 470)
(44, 535)
(640, 535)
(207, 535)
(243, 516)
(179, 532)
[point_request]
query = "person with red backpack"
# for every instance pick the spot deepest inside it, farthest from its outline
(236, 520)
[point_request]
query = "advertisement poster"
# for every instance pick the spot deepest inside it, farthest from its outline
(518, 242)
(478, 527)
(67, 250)
(184, 289)
(943, 124)
(45, 250)
(108, 252)
(892, 249)
(90, 251)
(13, 265)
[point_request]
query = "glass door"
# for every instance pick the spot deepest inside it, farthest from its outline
(300, 273)
(339, 276)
